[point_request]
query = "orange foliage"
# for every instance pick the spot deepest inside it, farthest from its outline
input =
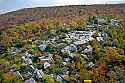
(111, 53)
(8, 76)
(101, 70)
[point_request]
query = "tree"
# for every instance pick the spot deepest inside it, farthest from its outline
(85, 75)
(101, 69)
(96, 46)
(110, 53)
(48, 79)
(8, 77)
(77, 62)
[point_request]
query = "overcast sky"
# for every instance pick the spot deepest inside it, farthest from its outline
(11, 5)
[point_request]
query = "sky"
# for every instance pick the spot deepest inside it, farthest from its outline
(12, 5)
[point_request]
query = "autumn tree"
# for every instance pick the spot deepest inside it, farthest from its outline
(8, 77)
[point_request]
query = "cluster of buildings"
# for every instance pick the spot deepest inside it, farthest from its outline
(66, 46)
(101, 23)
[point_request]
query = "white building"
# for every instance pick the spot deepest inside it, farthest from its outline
(38, 73)
(26, 60)
(46, 65)
(46, 58)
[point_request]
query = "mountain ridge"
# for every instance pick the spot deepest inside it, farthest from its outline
(33, 14)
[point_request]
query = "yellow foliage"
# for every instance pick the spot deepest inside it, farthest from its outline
(4, 62)
(49, 79)
(8, 76)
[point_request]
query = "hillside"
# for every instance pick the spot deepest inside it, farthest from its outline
(66, 44)
(64, 54)
(60, 12)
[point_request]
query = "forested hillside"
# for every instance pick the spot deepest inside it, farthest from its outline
(51, 51)
(63, 13)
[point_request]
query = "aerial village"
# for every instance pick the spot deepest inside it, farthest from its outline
(68, 55)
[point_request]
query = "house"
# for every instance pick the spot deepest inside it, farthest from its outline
(72, 55)
(84, 56)
(99, 25)
(101, 36)
(14, 51)
(28, 55)
(99, 39)
(90, 38)
(26, 60)
(90, 65)
(31, 80)
(46, 58)
(67, 59)
(44, 44)
(88, 50)
(81, 42)
(54, 39)
(38, 74)
(70, 48)
(59, 79)
(114, 22)
(42, 47)
(46, 65)
(32, 67)
(102, 21)
(67, 39)
(90, 26)
(20, 75)
(114, 45)
(78, 34)
(62, 78)
(2, 48)
(61, 45)
(64, 63)
(104, 34)
(84, 37)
